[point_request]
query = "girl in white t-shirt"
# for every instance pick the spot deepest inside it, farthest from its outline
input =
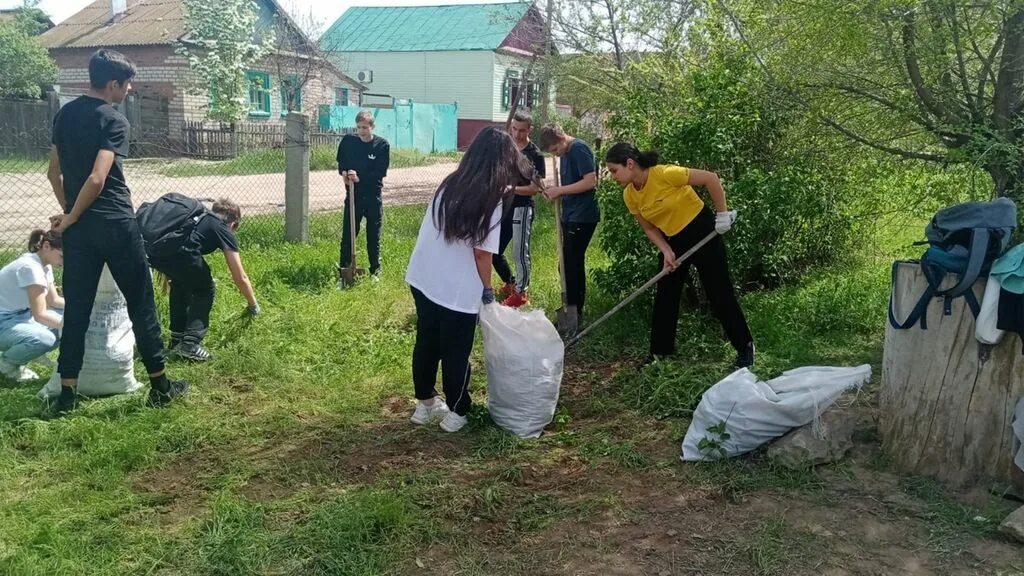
(450, 271)
(29, 319)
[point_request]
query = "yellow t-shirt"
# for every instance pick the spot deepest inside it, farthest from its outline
(666, 200)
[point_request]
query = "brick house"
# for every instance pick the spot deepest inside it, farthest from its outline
(147, 32)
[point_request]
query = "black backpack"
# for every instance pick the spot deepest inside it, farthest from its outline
(168, 223)
(964, 240)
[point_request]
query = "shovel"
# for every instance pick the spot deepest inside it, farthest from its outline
(647, 285)
(350, 273)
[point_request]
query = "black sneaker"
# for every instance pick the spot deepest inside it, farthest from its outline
(174, 341)
(65, 403)
(745, 358)
(175, 388)
(193, 352)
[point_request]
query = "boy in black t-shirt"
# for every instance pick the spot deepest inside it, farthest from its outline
(90, 142)
(363, 159)
(517, 224)
(192, 286)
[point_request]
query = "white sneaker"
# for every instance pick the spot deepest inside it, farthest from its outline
(424, 413)
(453, 422)
(17, 373)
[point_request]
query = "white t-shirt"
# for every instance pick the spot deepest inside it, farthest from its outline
(446, 272)
(27, 270)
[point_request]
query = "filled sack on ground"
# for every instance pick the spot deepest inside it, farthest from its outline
(741, 413)
(108, 365)
(524, 356)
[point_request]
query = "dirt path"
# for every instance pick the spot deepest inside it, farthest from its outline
(26, 200)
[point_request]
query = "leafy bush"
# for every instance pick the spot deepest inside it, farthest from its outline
(722, 116)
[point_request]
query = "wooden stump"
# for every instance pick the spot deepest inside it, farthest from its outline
(947, 400)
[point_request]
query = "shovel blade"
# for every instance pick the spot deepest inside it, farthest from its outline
(567, 321)
(349, 275)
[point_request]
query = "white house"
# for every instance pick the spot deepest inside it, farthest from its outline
(476, 55)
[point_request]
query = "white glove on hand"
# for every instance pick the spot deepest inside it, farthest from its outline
(724, 220)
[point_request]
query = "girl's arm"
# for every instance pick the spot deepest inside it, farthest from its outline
(53, 299)
(658, 239)
(483, 266)
(710, 181)
(37, 304)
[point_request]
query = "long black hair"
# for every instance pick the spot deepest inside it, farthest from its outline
(620, 152)
(486, 175)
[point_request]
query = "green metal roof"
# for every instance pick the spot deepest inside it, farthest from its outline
(423, 28)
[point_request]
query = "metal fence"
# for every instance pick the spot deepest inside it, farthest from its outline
(243, 162)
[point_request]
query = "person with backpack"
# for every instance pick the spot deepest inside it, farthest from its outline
(517, 225)
(662, 200)
(198, 232)
(30, 317)
(449, 272)
(90, 143)
(363, 160)
(580, 212)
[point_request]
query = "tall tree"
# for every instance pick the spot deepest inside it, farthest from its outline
(25, 65)
(222, 41)
(934, 80)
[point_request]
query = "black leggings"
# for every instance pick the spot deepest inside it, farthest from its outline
(713, 270)
(575, 240)
(443, 337)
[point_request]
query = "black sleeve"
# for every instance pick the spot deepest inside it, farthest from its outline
(226, 237)
(53, 131)
(383, 161)
(538, 161)
(344, 160)
(114, 134)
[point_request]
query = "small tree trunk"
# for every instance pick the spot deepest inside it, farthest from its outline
(946, 400)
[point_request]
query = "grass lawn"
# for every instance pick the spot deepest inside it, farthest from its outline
(23, 165)
(272, 161)
(294, 455)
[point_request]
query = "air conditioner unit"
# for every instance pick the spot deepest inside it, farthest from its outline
(364, 76)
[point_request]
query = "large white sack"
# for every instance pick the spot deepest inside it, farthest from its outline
(1018, 434)
(756, 412)
(524, 355)
(108, 365)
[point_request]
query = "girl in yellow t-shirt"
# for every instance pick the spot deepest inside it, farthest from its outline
(661, 198)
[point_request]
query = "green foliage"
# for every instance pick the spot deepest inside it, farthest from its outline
(722, 116)
(25, 65)
(224, 42)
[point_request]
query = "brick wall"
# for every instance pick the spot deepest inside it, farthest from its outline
(164, 74)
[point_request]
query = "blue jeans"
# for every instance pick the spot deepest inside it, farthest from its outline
(22, 339)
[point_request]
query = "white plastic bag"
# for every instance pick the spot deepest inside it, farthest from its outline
(741, 413)
(525, 358)
(985, 325)
(108, 363)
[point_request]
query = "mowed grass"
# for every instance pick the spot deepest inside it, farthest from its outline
(293, 454)
(272, 160)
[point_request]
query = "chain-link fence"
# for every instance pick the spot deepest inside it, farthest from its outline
(244, 162)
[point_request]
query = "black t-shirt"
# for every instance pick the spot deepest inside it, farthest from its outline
(213, 234)
(576, 163)
(81, 129)
(535, 157)
(370, 160)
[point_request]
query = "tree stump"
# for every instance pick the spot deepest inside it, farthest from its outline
(947, 400)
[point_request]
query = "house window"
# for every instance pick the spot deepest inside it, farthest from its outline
(290, 85)
(259, 93)
(341, 97)
(510, 90)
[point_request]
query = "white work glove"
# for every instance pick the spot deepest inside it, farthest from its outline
(724, 220)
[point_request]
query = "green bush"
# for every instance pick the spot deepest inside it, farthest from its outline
(793, 205)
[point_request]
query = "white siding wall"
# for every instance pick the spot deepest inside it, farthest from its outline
(465, 77)
(501, 64)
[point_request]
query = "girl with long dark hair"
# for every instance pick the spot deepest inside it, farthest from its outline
(675, 219)
(450, 272)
